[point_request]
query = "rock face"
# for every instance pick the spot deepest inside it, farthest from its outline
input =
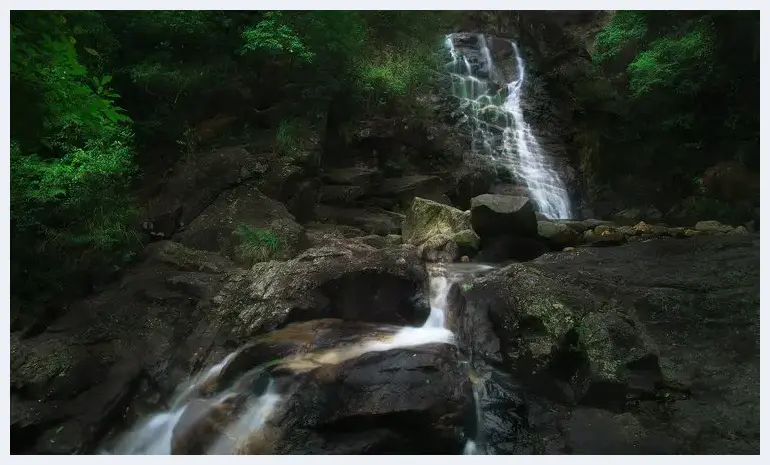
(618, 344)
(72, 383)
(497, 215)
(440, 232)
(195, 184)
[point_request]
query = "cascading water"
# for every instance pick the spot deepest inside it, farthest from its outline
(499, 132)
(155, 434)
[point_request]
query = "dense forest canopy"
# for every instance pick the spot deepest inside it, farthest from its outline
(93, 93)
(688, 86)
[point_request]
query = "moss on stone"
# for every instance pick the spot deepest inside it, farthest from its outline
(426, 219)
(467, 238)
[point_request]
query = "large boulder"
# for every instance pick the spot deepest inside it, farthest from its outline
(631, 329)
(497, 215)
(439, 231)
(72, 383)
(363, 405)
(239, 220)
(347, 280)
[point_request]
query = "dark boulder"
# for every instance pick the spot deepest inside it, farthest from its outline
(413, 400)
(497, 215)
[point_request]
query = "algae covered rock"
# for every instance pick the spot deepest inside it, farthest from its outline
(439, 231)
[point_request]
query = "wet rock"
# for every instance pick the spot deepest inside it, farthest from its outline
(303, 203)
(202, 423)
(592, 223)
(408, 187)
(713, 227)
(676, 232)
(297, 339)
(596, 431)
(650, 230)
(411, 400)
(495, 215)
(344, 280)
(510, 189)
(500, 249)
(740, 230)
(577, 226)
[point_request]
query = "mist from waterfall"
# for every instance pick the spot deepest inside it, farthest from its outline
(500, 134)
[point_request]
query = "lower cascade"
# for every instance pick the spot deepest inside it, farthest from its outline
(217, 413)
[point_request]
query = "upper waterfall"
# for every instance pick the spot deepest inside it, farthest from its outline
(490, 95)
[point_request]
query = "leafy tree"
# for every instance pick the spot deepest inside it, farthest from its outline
(690, 92)
(71, 157)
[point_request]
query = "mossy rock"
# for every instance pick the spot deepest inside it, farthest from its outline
(432, 226)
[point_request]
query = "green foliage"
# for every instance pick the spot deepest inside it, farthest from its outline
(688, 98)
(70, 176)
(257, 244)
(624, 28)
(290, 137)
(679, 64)
(276, 38)
(391, 73)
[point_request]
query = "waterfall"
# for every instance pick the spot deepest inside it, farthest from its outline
(500, 135)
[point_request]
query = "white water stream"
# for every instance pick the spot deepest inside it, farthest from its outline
(500, 134)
